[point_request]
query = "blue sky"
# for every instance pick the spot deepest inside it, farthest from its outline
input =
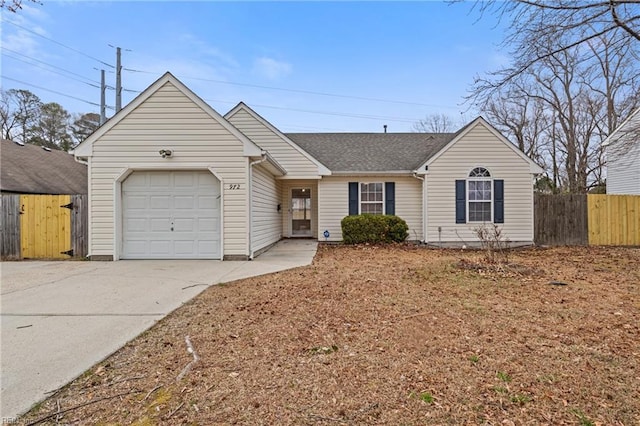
(418, 57)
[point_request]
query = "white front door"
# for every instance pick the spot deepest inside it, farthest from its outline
(171, 215)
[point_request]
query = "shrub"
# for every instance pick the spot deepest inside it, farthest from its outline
(372, 228)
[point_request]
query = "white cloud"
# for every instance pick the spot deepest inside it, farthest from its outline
(271, 68)
(17, 37)
(201, 49)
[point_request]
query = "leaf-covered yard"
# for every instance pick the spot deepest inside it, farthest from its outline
(397, 335)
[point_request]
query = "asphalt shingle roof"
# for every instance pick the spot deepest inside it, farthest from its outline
(371, 152)
(29, 169)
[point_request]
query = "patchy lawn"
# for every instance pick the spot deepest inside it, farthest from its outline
(387, 335)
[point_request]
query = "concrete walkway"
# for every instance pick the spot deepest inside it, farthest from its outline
(60, 318)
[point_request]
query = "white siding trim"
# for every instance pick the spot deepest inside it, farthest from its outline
(89, 218)
(117, 211)
(221, 210)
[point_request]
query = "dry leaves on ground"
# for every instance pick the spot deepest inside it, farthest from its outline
(387, 335)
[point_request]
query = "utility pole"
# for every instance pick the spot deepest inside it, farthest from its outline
(103, 106)
(118, 80)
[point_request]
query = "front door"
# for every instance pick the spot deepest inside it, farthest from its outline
(301, 212)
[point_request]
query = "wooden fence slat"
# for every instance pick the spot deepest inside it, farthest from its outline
(614, 220)
(80, 225)
(45, 226)
(560, 219)
(10, 227)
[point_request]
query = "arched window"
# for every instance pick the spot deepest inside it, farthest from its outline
(480, 197)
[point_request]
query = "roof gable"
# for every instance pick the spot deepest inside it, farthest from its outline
(322, 169)
(533, 167)
(85, 149)
(29, 169)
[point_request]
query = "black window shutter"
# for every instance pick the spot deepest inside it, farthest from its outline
(461, 201)
(390, 198)
(498, 201)
(353, 198)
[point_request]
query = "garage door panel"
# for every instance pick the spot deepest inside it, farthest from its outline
(135, 225)
(159, 180)
(184, 225)
(159, 224)
(208, 202)
(184, 247)
(159, 202)
(160, 247)
(208, 225)
(208, 247)
(185, 180)
(137, 247)
(136, 202)
(155, 202)
(184, 202)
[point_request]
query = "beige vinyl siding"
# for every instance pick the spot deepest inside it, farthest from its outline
(267, 221)
(286, 187)
(333, 193)
(168, 120)
(294, 162)
(479, 148)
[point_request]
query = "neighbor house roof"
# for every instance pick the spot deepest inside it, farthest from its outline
(372, 152)
(30, 169)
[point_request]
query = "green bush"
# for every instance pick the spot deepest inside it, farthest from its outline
(373, 228)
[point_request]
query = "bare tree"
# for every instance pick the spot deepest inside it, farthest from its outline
(435, 123)
(14, 5)
(580, 67)
(19, 110)
(540, 29)
(522, 119)
(7, 118)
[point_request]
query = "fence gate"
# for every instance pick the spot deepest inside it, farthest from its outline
(45, 226)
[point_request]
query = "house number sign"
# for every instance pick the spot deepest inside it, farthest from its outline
(233, 186)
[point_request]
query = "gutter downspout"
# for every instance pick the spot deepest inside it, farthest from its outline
(424, 206)
(262, 159)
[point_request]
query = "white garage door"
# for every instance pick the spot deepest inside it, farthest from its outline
(171, 215)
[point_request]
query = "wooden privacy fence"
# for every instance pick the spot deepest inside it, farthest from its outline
(560, 219)
(614, 220)
(581, 219)
(44, 226)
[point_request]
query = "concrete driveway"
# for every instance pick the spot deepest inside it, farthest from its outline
(60, 318)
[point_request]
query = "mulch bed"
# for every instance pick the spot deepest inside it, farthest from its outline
(387, 335)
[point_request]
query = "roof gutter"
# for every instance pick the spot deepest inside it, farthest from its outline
(374, 173)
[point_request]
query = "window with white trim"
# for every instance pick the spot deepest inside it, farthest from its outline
(372, 198)
(480, 195)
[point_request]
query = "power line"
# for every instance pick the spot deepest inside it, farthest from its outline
(52, 71)
(58, 43)
(306, 92)
(53, 91)
(46, 63)
(332, 113)
(337, 114)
